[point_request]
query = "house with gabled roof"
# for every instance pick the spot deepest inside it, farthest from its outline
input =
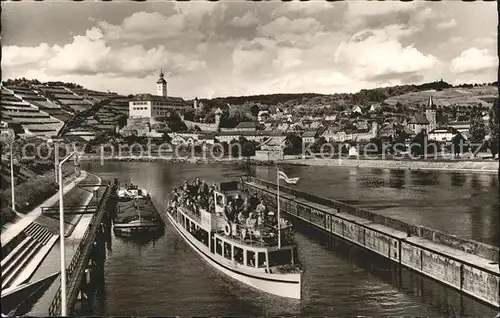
(417, 123)
(246, 126)
(309, 137)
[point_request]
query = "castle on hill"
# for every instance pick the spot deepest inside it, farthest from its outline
(153, 106)
(146, 109)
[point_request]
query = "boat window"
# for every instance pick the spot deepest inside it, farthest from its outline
(218, 247)
(251, 258)
(227, 250)
(238, 255)
(281, 257)
(262, 260)
(212, 243)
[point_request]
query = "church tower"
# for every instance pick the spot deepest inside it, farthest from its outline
(161, 86)
(430, 114)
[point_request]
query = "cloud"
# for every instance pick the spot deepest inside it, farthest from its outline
(92, 54)
(373, 54)
(250, 18)
(284, 25)
(473, 60)
(252, 58)
(16, 56)
(486, 41)
(238, 48)
(303, 8)
(360, 9)
(144, 26)
(447, 24)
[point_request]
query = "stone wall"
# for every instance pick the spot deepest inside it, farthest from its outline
(467, 245)
(457, 272)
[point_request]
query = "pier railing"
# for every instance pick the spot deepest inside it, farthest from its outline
(470, 246)
(79, 261)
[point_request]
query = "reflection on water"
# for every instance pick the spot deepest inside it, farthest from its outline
(166, 277)
(143, 239)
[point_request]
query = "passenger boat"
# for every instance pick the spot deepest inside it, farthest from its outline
(258, 252)
(136, 212)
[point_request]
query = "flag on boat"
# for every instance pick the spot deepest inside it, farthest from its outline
(283, 176)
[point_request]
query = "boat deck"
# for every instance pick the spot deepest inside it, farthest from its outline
(236, 239)
(127, 210)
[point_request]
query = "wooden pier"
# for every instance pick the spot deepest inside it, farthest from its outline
(468, 266)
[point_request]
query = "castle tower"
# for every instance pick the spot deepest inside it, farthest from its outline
(161, 86)
(374, 129)
(218, 113)
(195, 103)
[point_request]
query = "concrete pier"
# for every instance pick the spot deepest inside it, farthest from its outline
(465, 265)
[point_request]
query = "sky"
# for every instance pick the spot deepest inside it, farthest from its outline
(233, 48)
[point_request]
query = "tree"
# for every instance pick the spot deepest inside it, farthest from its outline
(295, 144)
(494, 128)
(418, 144)
(189, 114)
(165, 138)
(209, 117)
(458, 143)
(254, 109)
(477, 129)
(318, 143)
(399, 141)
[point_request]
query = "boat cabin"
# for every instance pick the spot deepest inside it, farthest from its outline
(244, 243)
(131, 191)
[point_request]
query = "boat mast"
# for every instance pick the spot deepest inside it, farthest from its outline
(278, 204)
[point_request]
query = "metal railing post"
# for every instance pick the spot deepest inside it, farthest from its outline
(12, 180)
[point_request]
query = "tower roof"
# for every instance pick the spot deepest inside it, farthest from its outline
(161, 80)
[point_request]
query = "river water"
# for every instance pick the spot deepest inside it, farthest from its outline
(165, 277)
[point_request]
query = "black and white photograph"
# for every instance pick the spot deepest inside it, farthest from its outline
(250, 158)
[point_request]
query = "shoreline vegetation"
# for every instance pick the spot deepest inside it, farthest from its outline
(486, 166)
(34, 185)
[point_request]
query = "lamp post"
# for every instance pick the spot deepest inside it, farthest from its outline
(56, 157)
(12, 181)
(61, 233)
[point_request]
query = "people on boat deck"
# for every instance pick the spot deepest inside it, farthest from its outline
(249, 211)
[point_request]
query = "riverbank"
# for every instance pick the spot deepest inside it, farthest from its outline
(482, 166)
(10, 230)
(33, 186)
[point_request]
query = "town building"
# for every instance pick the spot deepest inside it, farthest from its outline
(243, 126)
(153, 106)
(417, 124)
(309, 137)
(461, 126)
(444, 134)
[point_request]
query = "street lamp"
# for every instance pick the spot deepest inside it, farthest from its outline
(56, 156)
(61, 233)
(12, 181)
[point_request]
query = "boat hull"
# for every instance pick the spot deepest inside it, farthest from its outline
(283, 285)
(137, 227)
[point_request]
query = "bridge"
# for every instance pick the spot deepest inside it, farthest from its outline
(87, 265)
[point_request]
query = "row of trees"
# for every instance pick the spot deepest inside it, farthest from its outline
(23, 81)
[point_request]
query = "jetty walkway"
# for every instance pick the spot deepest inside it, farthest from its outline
(86, 205)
